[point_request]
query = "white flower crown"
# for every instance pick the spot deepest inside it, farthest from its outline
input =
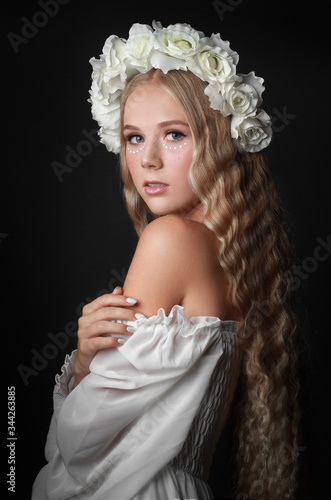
(179, 46)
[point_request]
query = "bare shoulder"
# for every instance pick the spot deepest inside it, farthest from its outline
(182, 244)
(171, 230)
(174, 258)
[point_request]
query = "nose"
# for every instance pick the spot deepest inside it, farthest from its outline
(152, 155)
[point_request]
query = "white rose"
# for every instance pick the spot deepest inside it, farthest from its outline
(233, 98)
(107, 114)
(214, 64)
(108, 74)
(243, 98)
(139, 47)
(178, 40)
(216, 40)
(252, 133)
(108, 81)
(173, 46)
(105, 90)
(113, 54)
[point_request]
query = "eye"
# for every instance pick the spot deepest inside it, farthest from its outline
(175, 135)
(134, 138)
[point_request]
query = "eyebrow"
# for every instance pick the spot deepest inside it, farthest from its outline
(172, 122)
(160, 125)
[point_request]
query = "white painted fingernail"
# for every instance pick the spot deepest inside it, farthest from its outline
(131, 329)
(131, 301)
(121, 341)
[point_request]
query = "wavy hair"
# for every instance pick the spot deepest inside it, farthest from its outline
(242, 208)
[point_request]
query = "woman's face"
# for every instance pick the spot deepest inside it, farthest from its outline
(159, 151)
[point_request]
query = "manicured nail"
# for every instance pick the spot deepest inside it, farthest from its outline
(131, 301)
(140, 316)
(131, 329)
(121, 341)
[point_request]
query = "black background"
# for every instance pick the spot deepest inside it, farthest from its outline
(63, 243)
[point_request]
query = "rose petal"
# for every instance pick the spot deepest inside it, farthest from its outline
(166, 63)
(216, 99)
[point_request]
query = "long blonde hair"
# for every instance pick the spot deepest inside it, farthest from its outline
(242, 208)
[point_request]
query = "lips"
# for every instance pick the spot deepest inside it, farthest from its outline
(155, 187)
(153, 182)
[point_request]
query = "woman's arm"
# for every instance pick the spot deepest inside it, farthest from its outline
(175, 263)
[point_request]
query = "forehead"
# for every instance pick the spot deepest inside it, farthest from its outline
(150, 100)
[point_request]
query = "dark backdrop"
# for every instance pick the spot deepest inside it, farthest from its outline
(66, 238)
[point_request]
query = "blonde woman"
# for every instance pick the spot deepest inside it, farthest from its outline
(205, 310)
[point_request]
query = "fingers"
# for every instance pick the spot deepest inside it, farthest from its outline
(102, 328)
(107, 314)
(116, 298)
(95, 344)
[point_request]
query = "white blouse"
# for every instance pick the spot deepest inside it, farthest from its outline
(143, 425)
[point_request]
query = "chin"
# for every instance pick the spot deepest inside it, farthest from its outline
(157, 210)
(159, 207)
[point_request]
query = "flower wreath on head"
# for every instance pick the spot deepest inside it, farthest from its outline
(179, 47)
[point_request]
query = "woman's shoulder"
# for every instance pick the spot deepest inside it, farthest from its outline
(175, 259)
(172, 232)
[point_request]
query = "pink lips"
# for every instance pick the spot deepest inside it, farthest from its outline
(154, 187)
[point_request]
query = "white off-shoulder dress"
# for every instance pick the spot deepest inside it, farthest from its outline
(144, 423)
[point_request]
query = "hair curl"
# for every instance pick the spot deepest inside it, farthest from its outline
(242, 208)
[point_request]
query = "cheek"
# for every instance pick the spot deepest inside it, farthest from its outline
(133, 162)
(180, 162)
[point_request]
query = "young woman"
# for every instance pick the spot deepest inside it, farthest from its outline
(205, 309)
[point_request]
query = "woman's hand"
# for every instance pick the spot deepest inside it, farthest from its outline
(98, 320)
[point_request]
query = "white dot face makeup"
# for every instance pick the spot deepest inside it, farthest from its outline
(132, 150)
(175, 148)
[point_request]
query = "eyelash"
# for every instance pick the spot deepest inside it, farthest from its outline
(130, 137)
(176, 132)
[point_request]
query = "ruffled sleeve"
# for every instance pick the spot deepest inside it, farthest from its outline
(131, 415)
(64, 383)
(63, 386)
